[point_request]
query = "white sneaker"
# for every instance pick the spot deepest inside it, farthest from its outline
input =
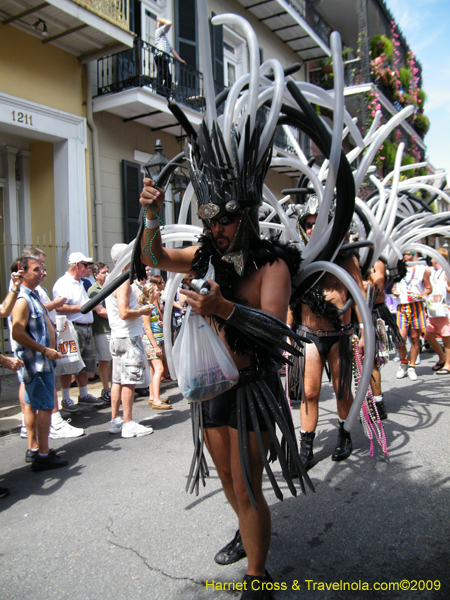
(64, 430)
(418, 360)
(397, 359)
(133, 429)
(89, 400)
(412, 373)
(23, 432)
(69, 405)
(115, 425)
(402, 369)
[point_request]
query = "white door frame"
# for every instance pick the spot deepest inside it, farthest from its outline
(68, 133)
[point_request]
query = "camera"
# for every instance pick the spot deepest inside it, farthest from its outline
(201, 286)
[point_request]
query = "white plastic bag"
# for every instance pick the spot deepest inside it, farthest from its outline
(71, 362)
(203, 365)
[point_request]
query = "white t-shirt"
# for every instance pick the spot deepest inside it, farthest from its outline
(412, 284)
(68, 287)
(121, 328)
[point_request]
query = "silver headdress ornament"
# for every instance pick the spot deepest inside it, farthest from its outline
(221, 185)
(310, 207)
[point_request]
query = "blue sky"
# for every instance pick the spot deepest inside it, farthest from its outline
(425, 26)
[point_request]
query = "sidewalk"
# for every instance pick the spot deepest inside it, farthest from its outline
(10, 414)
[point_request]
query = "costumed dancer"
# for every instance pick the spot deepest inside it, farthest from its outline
(323, 315)
(246, 305)
(412, 292)
(252, 283)
(387, 334)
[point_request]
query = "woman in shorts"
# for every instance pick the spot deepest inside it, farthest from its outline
(154, 340)
(438, 315)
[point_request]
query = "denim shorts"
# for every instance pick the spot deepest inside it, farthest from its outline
(40, 391)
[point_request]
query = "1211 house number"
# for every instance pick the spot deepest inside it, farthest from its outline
(21, 117)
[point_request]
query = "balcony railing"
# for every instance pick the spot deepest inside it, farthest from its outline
(144, 65)
(116, 11)
(323, 76)
(312, 17)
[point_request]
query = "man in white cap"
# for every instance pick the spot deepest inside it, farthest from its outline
(70, 286)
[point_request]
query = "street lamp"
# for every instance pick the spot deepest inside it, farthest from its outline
(154, 166)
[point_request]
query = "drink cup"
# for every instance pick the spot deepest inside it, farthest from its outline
(60, 322)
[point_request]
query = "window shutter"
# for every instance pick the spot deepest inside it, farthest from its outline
(131, 190)
(186, 31)
(217, 52)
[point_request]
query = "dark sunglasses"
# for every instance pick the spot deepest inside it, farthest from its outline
(309, 224)
(86, 264)
(225, 220)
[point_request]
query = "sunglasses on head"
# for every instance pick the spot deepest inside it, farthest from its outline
(309, 224)
(225, 220)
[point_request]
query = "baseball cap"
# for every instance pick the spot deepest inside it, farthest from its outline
(78, 257)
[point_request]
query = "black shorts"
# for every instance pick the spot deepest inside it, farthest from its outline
(222, 410)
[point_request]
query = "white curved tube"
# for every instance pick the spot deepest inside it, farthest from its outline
(319, 96)
(294, 143)
(278, 92)
(248, 32)
(369, 333)
(208, 79)
(432, 253)
(172, 285)
(336, 144)
(376, 120)
(185, 204)
(270, 197)
(229, 109)
(378, 139)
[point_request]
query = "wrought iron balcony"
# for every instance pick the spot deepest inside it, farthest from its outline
(307, 11)
(145, 65)
(323, 76)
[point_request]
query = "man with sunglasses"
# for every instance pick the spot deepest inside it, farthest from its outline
(70, 286)
(252, 282)
(412, 292)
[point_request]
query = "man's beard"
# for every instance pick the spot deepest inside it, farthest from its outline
(222, 242)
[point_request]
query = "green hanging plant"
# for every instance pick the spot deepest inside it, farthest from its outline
(421, 124)
(379, 45)
(405, 78)
(408, 160)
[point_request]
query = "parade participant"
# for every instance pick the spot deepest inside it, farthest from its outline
(387, 333)
(323, 315)
(252, 285)
(412, 292)
(438, 314)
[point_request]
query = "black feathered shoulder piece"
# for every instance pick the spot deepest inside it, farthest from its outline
(261, 253)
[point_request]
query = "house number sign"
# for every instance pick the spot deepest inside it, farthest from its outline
(22, 117)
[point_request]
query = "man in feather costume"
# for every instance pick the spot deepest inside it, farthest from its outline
(247, 306)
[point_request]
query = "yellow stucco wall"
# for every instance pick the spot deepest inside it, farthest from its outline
(42, 205)
(40, 72)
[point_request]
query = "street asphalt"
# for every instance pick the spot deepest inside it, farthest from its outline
(117, 523)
